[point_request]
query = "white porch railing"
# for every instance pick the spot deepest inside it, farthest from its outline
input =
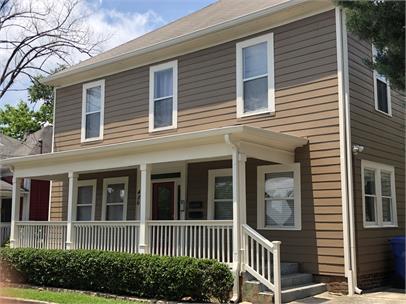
(106, 235)
(4, 232)
(199, 239)
(46, 235)
(262, 260)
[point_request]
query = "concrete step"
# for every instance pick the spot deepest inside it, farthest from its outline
(250, 291)
(265, 297)
(294, 279)
(302, 291)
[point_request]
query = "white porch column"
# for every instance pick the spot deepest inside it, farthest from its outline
(236, 222)
(242, 159)
(73, 179)
(15, 210)
(144, 207)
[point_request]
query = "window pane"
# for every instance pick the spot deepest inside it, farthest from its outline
(386, 183)
(255, 60)
(115, 193)
(85, 194)
(370, 209)
(223, 187)
(256, 94)
(280, 213)
(114, 213)
(223, 210)
(369, 181)
(84, 213)
(93, 99)
(93, 125)
(382, 94)
(279, 185)
(387, 209)
(163, 113)
(163, 85)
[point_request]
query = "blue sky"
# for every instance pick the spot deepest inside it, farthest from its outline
(123, 20)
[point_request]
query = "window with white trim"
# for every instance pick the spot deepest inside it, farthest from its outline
(115, 197)
(255, 76)
(279, 198)
(378, 195)
(382, 92)
(86, 200)
(220, 194)
(92, 111)
(163, 96)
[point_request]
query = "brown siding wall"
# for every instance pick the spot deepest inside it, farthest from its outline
(384, 142)
(318, 246)
(306, 105)
(59, 200)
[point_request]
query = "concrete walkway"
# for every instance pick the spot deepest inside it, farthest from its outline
(386, 296)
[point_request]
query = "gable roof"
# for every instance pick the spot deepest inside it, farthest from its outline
(215, 18)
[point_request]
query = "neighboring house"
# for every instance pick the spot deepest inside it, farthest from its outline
(34, 193)
(245, 123)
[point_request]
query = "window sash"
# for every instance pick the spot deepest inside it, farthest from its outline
(376, 77)
(86, 183)
(107, 182)
(262, 171)
(242, 108)
(378, 169)
(85, 113)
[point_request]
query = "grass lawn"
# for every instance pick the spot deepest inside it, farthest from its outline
(58, 297)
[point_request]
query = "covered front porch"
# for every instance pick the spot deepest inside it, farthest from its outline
(175, 195)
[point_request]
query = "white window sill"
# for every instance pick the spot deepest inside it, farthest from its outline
(162, 129)
(255, 113)
(384, 113)
(383, 226)
(280, 228)
(89, 140)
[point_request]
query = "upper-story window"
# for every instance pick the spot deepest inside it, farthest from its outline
(378, 195)
(92, 111)
(163, 96)
(381, 91)
(255, 76)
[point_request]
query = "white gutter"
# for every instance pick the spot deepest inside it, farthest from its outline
(346, 155)
(177, 40)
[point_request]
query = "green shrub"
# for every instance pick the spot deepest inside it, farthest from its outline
(139, 275)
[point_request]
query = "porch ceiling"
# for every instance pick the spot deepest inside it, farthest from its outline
(186, 146)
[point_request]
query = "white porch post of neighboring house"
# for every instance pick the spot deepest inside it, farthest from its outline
(73, 179)
(26, 200)
(15, 210)
(144, 207)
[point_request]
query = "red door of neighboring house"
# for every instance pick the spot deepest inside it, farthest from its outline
(39, 200)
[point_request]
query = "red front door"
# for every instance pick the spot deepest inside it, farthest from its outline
(163, 198)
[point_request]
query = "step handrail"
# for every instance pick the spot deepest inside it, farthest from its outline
(252, 242)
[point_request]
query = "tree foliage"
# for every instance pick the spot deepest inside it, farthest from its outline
(383, 24)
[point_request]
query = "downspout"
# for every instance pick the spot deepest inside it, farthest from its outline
(346, 154)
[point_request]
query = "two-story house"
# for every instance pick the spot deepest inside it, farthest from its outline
(249, 131)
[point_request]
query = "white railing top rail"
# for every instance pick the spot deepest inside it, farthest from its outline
(191, 222)
(41, 223)
(259, 238)
(106, 223)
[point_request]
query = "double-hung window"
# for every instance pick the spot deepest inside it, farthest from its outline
(163, 96)
(115, 197)
(381, 91)
(86, 199)
(220, 194)
(378, 195)
(92, 111)
(255, 76)
(279, 197)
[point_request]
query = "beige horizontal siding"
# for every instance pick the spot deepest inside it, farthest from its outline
(384, 142)
(306, 106)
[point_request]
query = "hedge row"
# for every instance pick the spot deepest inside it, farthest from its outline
(140, 275)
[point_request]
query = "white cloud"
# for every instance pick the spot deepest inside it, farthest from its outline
(117, 26)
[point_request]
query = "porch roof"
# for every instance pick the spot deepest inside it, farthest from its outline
(236, 134)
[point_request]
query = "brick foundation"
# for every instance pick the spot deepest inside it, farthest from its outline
(335, 284)
(373, 280)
